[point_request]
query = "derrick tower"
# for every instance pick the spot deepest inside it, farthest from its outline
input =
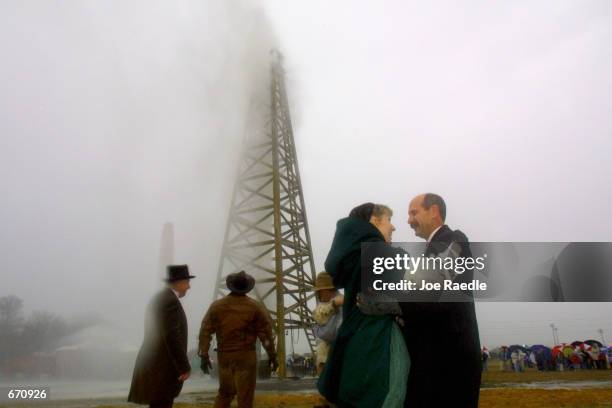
(267, 230)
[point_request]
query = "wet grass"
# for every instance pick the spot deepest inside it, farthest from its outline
(261, 401)
(513, 398)
(496, 378)
(491, 398)
(498, 391)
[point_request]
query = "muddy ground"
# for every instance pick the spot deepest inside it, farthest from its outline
(531, 389)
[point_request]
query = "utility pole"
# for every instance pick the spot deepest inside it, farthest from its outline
(555, 334)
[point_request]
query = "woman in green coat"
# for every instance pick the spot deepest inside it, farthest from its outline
(368, 362)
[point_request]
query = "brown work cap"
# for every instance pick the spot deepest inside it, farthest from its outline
(324, 281)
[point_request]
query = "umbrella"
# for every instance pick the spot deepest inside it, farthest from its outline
(514, 347)
(557, 349)
(594, 342)
(537, 347)
(568, 351)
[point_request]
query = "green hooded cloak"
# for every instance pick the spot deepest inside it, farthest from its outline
(368, 362)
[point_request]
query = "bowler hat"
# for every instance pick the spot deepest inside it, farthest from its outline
(177, 273)
(240, 282)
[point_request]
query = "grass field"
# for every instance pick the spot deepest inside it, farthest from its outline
(500, 390)
(530, 389)
(495, 378)
(489, 398)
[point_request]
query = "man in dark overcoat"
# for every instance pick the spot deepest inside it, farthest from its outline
(442, 337)
(162, 365)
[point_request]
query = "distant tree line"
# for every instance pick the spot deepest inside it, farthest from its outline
(40, 332)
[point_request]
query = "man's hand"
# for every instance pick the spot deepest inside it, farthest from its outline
(273, 363)
(338, 300)
(205, 364)
(184, 376)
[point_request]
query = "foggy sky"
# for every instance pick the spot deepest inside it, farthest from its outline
(117, 117)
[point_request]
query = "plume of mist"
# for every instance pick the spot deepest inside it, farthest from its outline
(116, 118)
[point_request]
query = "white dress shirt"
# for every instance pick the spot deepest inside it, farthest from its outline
(176, 293)
(433, 233)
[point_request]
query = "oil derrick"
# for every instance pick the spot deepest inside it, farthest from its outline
(267, 230)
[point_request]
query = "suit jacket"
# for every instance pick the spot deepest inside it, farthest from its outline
(443, 342)
(163, 355)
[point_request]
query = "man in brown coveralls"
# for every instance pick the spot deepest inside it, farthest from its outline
(237, 321)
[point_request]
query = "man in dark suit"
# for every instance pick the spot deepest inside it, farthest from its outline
(162, 365)
(442, 338)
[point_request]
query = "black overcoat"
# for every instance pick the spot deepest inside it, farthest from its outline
(443, 342)
(163, 355)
